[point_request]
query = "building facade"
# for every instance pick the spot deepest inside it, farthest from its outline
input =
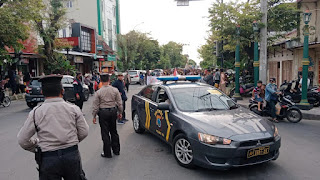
(285, 57)
(100, 17)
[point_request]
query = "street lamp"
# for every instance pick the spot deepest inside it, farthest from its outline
(304, 104)
(237, 65)
(256, 51)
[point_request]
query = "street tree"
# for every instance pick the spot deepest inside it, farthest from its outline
(223, 20)
(15, 17)
(52, 18)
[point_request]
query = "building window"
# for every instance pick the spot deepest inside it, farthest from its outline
(114, 11)
(110, 33)
(69, 4)
(115, 29)
(64, 33)
(86, 39)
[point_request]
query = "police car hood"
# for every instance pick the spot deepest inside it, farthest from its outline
(238, 124)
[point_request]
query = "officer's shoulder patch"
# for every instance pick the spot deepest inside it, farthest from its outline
(75, 82)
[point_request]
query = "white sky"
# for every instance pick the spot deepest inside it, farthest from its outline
(165, 21)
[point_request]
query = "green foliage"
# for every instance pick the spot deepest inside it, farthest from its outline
(207, 54)
(14, 27)
(282, 17)
(139, 51)
(50, 19)
(60, 66)
(192, 62)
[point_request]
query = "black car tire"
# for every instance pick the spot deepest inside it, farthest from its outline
(137, 124)
(294, 118)
(182, 151)
(32, 104)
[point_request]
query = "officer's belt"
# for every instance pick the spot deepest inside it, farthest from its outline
(60, 151)
(113, 108)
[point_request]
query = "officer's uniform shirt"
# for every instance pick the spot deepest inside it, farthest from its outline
(60, 124)
(106, 97)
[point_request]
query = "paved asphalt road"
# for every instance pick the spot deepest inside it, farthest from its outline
(146, 157)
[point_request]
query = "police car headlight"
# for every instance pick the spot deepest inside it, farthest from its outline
(210, 139)
(276, 133)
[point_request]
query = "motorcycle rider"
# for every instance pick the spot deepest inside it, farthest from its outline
(271, 98)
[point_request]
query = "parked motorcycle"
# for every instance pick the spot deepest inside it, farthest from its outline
(288, 109)
(313, 94)
(6, 100)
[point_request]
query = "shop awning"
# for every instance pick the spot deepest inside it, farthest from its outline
(80, 54)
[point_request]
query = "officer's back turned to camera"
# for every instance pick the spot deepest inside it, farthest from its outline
(59, 126)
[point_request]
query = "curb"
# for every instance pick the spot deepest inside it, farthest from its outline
(305, 115)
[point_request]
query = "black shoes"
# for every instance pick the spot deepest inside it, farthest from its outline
(116, 153)
(103, 155)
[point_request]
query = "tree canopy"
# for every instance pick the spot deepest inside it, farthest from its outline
(282, 17)
(140, 51)
(15, 16)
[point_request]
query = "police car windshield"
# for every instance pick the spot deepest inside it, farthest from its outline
(197, 99)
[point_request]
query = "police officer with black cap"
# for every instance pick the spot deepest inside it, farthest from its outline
(59, 126)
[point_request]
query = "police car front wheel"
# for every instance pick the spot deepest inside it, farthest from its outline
(183, 151)
(136, 124)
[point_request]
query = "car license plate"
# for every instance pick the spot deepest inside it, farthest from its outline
(258, 151)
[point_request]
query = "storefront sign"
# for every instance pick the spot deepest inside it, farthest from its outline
(78, 59)
(69, 41)
(99, 47)
(107, 64)
(112, 58)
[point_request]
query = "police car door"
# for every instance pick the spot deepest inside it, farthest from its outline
(160, 121)
(143, 104)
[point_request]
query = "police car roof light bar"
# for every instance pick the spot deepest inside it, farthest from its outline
(178, 78)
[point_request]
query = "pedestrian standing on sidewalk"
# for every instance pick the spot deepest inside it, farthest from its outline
(127, 80)
(59, 126)
(223, 80)
(107, 104)
(217, 78)
(119, 84)
(78, 90)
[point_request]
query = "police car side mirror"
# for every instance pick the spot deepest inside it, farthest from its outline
(164, 106)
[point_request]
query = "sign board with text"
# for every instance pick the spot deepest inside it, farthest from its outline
(112, 58)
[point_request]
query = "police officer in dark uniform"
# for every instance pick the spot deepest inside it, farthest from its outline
(59, 126)
(119, 84)
(78, 91)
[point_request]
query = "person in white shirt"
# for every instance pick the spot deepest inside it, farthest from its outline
(300, 82)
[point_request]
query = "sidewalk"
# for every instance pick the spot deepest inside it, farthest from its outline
(313, 114)
(16, 97)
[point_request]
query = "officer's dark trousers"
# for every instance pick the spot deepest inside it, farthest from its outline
(66, 166)
(108, 124)
(79, 103)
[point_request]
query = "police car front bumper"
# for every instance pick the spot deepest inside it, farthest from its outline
(223, 157)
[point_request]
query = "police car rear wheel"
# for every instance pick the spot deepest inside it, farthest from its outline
(183, 151)
(136, 124)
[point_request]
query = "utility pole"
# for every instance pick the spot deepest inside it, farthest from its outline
(263, 42)
(222, 57)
